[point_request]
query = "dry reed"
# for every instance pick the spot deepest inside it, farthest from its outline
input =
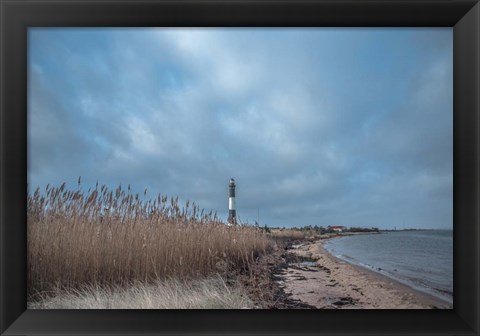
(288, 234)
(115, 237)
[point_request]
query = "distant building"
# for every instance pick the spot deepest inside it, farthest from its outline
(336, 228)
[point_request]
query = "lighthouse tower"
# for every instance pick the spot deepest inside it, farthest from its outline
(232, 213)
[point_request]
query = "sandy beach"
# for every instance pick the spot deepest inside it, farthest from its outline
(315, 277)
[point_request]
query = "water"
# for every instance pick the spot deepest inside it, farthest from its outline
(421, 259)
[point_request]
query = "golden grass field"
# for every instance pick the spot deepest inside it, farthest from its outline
(111, 239)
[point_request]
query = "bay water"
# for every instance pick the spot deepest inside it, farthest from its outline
(420, 259)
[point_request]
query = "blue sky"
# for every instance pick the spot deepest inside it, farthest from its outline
(318, 126)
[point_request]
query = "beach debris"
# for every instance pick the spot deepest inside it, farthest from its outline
(345, 301)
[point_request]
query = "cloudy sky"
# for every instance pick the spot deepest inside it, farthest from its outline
(318, 126)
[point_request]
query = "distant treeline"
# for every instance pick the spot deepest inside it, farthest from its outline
(322, 230)
(360, 229)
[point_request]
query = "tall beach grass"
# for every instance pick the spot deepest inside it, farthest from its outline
(114, 237)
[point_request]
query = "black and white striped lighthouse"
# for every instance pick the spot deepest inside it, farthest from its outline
(232, 213)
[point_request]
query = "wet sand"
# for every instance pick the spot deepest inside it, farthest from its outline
(330, 283)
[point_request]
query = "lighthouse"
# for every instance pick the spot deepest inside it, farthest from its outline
(232, 213)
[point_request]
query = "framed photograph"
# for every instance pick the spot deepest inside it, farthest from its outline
(268, 167)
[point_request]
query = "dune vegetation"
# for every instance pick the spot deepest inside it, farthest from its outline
(111, 242)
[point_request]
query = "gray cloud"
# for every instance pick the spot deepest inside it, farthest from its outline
(319, 127)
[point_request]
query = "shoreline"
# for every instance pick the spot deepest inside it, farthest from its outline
(318, 278)
(387, 276)
(391, 278)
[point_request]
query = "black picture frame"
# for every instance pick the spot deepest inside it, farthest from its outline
(17, 15)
